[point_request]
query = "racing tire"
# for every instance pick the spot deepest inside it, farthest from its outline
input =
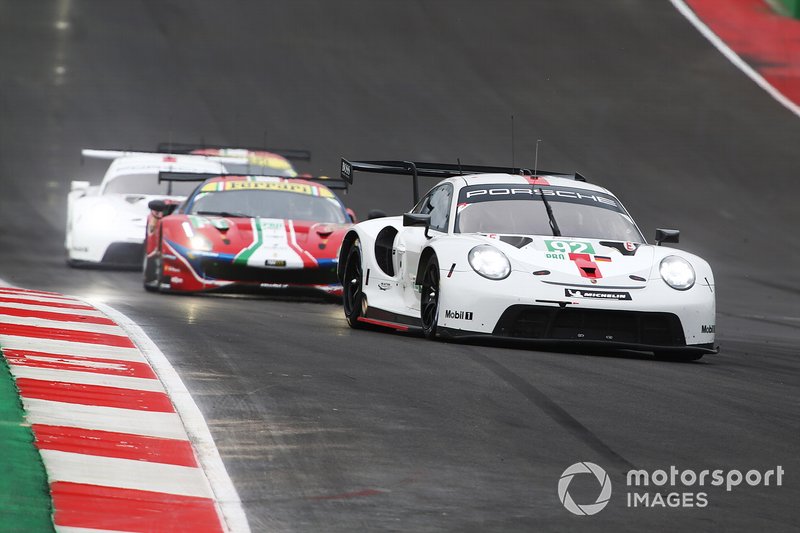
(352, 287)
(153, 275)
(429, 299)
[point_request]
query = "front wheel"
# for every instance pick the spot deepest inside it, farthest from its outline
(352, 290)
(152, 273)
(429, 298)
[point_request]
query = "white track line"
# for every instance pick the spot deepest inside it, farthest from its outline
(224, 492)
(78, 327)
(70, 529)
(51, 309)
(706, 32)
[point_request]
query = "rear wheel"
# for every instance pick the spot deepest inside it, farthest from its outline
(429, 298)
(352, 288)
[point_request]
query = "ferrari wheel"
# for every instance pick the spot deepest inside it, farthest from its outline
(152, 273)
(353, 294)
(429, 298)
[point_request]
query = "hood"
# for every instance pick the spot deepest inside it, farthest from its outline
(263, 242)
(579, 261)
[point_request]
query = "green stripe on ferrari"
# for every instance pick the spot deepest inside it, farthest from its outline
(244, 255)
(25, 503)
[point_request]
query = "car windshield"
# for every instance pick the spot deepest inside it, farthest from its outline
(252, 169)
(147, 184)
(269, 204)
(519, 210)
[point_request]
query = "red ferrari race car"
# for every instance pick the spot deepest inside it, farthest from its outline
(247, 232)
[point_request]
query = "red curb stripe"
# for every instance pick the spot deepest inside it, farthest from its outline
(96, 395)
(60, 305)
(112, 444)
(93, 506)
(111, 367)
(33, 292)
(49, 315)
(65, 335)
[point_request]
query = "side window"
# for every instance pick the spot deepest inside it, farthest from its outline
(437, 203)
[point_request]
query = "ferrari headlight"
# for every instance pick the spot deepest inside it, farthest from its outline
(677, 272)
(200, 243)
(489, 262)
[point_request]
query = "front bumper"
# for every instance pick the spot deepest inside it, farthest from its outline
(525, 307)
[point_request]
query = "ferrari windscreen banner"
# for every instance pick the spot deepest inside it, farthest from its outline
(488, 193)
(282, 186)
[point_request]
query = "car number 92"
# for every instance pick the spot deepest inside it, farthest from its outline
(566, 247)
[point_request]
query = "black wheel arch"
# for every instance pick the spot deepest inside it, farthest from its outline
(424, 257)
(344, 250)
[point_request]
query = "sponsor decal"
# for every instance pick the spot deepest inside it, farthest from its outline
(384, 286)
(629, 246)
(275, 262)
(555, 256)
(577, 247)
(707, 328)
(597, 295)
(458, 315)
(481, 193)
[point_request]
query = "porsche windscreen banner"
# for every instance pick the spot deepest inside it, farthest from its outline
(488, 193)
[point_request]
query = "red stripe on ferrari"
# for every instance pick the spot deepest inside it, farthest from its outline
(96, 507)
(59, 305)
(112, 444)
(398, 327)
(112, 367)
(49, 315)
(97, 395)
(72, 335)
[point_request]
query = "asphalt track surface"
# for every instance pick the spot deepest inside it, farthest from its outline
(327, 429)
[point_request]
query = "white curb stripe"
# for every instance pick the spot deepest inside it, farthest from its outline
(733, 57)
(86, 378)
(39, 298)
(145, 423)
(70, 529)
(59, 347)
(49, 309)
(61, 324)
(125, 473)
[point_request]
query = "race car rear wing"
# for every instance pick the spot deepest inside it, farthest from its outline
(291, 154)
(330, 183)
(436, 170)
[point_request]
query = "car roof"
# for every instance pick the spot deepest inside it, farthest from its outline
(153, 163)
(541, 179)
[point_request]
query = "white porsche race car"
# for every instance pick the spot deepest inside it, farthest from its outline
(536, 256)
(106, 223)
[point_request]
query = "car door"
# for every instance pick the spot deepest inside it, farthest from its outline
(412, 240)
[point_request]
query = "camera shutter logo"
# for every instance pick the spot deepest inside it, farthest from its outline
(591, 508)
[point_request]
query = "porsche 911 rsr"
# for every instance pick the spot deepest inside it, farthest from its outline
(106, 223)
(247, 233)
(540, 257)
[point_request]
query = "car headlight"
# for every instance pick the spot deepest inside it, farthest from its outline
(677, 272)
(489, 262)
(200, 243)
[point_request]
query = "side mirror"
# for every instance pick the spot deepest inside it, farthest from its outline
(417, 219)
(667, 235)
(162, 207)
(375, 213)
(352, 215)
(78, 186)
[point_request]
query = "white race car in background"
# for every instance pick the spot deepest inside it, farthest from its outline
(536, 256)
(106, 223)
